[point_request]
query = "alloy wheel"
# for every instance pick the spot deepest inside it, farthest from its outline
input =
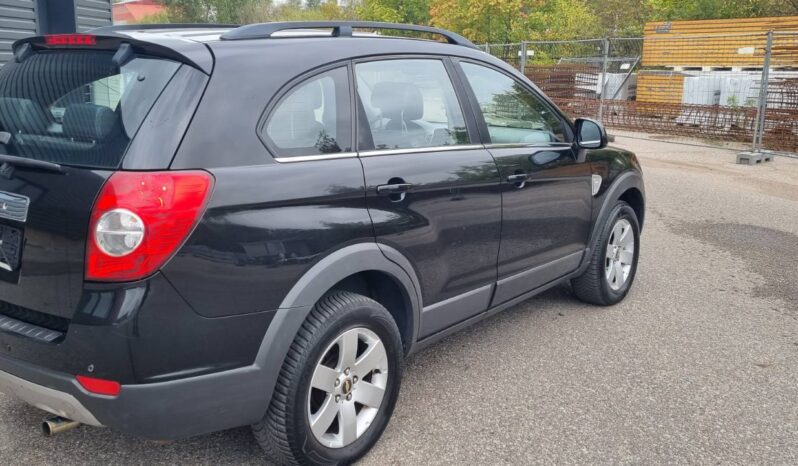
(347, 387)
(620, 254)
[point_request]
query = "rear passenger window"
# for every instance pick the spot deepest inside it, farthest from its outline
(410, 104)
(313, 118)
(512, 112)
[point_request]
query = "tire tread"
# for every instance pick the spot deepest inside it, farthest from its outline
(272, 433)
(588, 286)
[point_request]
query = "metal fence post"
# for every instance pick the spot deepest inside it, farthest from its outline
(762, 105)
(522, 61)
(604, 63)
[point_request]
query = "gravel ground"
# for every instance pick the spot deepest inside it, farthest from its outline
(698, 365)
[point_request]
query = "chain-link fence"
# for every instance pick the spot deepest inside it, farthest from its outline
(511, 53)
(569, 72)
(732, 90)
(779, 123)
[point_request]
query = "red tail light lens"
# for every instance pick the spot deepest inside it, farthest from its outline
(70, 39)
(140, 220)
(99, 386)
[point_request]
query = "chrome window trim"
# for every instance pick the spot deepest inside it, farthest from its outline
(520, 145)
(414, 150)
(420, 150)
(309, 158)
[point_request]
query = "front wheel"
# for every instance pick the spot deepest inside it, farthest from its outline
(613, 264)
(338, 385)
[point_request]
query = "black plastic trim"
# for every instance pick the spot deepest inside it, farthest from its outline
(339, 29)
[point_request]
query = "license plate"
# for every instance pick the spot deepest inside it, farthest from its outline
(10, 245)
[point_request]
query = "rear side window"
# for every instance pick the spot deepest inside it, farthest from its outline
(313, 118)
(77, 107)
(410, 104)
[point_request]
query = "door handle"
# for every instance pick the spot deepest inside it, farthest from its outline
(517, 178)
(396, 188)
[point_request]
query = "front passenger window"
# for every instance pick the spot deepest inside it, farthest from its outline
(313, 118)
(513, 113)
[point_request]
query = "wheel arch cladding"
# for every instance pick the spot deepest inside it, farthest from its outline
(386, 290)
(360, 264)
(634, 198)
(627, 186)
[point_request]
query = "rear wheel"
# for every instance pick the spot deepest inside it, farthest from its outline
(613, 264)
(338, 385)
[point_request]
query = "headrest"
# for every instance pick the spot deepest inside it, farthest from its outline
(305, 98)
(398, 101)
(89, 121)
(22, 116)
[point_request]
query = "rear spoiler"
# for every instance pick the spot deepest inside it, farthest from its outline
(192, 53)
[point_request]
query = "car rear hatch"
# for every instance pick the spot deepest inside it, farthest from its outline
(73, 110)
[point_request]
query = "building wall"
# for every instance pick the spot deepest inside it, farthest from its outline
(18, 19)
(91, 14)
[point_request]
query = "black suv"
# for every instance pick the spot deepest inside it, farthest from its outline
(205, 227)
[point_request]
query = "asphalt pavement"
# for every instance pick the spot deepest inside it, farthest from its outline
(698, 365)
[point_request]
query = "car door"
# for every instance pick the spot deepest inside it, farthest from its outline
(546, 189)
(432, 189)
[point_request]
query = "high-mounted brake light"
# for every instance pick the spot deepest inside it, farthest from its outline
(99, 386)
(140, 220)
(70, 39)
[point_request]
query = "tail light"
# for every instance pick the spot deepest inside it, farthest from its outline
(140, 220)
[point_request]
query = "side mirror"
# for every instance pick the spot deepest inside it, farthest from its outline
(590, 134)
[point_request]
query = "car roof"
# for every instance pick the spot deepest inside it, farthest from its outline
(274, 30)
(152, 32)
(339, 38)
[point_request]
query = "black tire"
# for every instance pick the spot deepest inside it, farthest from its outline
(284, 432)
(592, 286)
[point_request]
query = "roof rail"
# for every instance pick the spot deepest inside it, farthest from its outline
(167, 26)
(339, 29)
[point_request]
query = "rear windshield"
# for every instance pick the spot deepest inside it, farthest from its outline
(77, 107)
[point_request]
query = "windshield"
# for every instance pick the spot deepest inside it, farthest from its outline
(77, 107)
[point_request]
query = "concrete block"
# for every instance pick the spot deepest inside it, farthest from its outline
(753, 157)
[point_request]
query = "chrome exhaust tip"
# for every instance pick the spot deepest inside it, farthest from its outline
(57, 425)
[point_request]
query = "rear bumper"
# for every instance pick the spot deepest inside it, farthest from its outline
(47, 399)
(164, 411)
(182, 374)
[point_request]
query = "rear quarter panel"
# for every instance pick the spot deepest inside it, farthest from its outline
(265, 226)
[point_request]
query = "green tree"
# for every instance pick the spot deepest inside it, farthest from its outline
(718, 9)
(621, 18)
(483, 20)
(208, 11)
(401, 11)
(502, 21)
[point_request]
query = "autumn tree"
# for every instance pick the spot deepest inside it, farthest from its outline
(394, 11)
(502, 21)
(718, 9)
(208, 11)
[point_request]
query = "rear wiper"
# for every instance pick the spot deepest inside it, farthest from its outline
(30, 163)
